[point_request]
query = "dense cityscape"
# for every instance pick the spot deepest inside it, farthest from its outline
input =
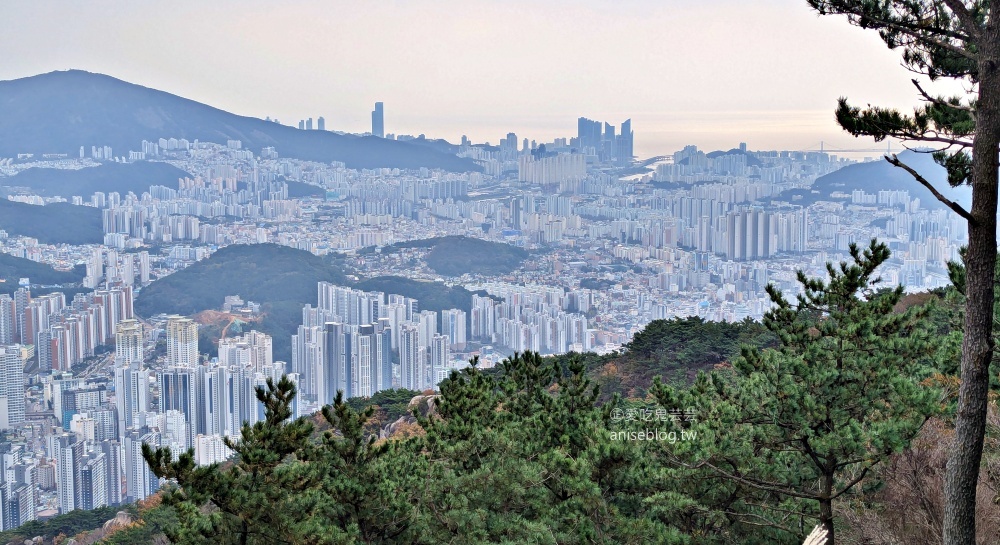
(614, 243)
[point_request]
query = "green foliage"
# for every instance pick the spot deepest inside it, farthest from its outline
(68, 524)
(797, 427)
(676, 350)
(13, 268)
(458, 255)
(58, 223)
(282, 279)
(526, 457)
(298, 190)
(248, 502)
(257, 272)
(107, 177)
(152, 524)
(526, 453)
(394, 402)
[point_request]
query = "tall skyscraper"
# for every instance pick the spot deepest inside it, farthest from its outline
(8, 325)
(144, 267)
(131, 396)
(128, 344)
(67, 451)
(378, 121)
(331, 371)
(181, 389)
(113, 462)
(11, 387)
(624, 146)
(93, 481)
(140, 479)
(440, 356)
(411, 364)
(21, 299)
(182, 341)
(453, 323)
(321, 124)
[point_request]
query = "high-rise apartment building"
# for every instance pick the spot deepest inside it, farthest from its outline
(140, 479)
(21, 299)
(411, 359)
(11, 387)
(440, 351)
(8, 324)
(453, 325)
(128, 344)
(182, 341)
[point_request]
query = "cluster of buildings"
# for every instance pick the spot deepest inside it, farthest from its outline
(73, 434)
(84, 383)
(362, 342)
(62, 333)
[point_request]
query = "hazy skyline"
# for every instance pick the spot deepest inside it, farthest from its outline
(711, 73)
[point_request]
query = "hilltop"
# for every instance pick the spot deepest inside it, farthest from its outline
(106, 177)
(257, 272)
(60, 111)
(875, 176)
(458, 255)
(14, 268)
(57, 223)
(282, 279)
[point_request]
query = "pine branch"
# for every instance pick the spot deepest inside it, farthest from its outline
(916, 31)
(939, 101)
(965, 18)
(894, 161)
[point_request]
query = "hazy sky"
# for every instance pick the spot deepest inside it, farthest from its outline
(708, 72)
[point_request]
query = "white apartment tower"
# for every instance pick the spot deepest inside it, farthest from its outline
(182, 341)
(128, 344)
(11, 387)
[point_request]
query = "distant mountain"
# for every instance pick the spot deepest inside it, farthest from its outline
(107, 178)
(879, 175)
(59, 223)
(60, 111)
(117, 177)
(14, 268)
(458, 255)
(751, 160)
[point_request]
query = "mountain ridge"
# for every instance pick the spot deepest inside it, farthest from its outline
(58, 112)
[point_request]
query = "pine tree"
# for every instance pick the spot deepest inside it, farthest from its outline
(524, 456)
(958, 40)
(795, 428)
(366, 487)
(245, 502)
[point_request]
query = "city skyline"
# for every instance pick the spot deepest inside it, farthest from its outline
(674, 72)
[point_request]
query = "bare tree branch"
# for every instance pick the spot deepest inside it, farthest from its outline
(894, 161)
